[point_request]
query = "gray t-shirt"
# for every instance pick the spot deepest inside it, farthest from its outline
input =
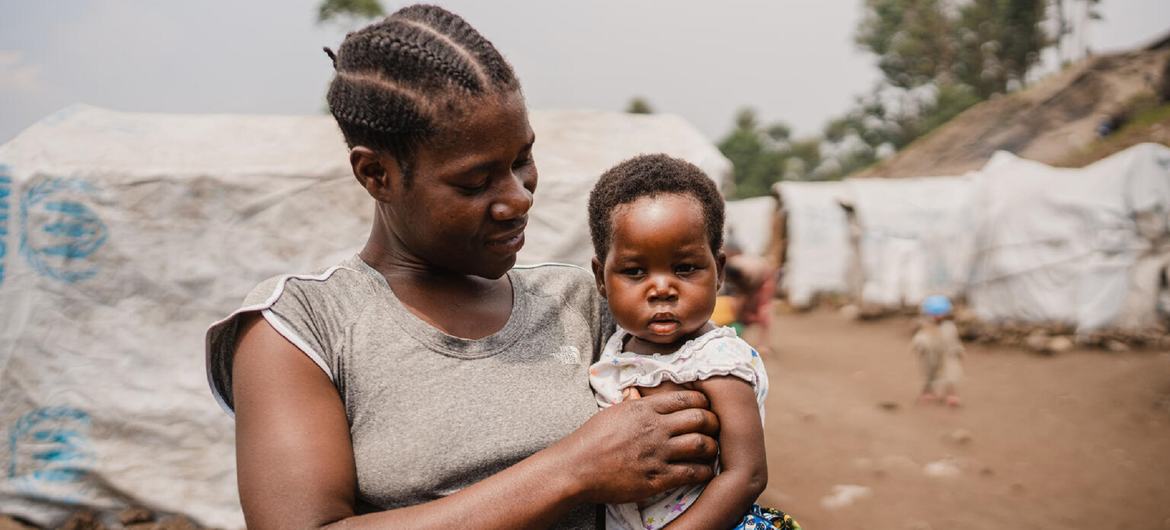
(430, 413)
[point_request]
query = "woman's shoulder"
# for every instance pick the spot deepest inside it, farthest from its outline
(557, 272)
(306, 308)
(561, 282)
(335, 281)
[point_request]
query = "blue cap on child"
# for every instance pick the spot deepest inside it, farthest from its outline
(936, 306)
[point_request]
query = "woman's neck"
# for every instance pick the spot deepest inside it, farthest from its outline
(458, 304)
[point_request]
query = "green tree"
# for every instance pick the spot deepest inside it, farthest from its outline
(639, 105)
(330, 10)
(913, 39)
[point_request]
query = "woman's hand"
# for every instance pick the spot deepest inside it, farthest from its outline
(641, 447)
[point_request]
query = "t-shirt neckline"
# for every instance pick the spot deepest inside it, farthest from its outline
(438, 340)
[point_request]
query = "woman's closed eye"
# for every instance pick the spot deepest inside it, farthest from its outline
(524, 160)
(474, 186)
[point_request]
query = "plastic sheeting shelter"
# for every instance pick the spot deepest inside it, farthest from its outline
(818, 252)
(1023, 241)
(123, 236)
(1072, 245)
(750, 224)
(916, 239)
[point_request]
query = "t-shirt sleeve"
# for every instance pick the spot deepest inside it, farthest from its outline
(287, 304)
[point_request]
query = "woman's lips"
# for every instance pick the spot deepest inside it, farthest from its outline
(509, 243)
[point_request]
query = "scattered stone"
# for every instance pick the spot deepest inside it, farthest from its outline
(1116, 346)
(808, 417)
(176, 522)
(897, 462)
(941, 468)
(959, 437)
(1017, 488)
(851, 312)
(133, 515)
(844, 495)
(919, 525)
(1060, 344)
(891, 406)
(986, 471)
(8, 523)
(1037, 341)
(83, 520)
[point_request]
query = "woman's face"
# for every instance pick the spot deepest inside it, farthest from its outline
(660, 276)
(465, 205)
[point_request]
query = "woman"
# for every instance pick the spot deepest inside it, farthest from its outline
(426, 383)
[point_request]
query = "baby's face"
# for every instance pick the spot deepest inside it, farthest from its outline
(660, 276)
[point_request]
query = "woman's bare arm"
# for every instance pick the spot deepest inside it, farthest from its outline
(296, 467)
(744, 473)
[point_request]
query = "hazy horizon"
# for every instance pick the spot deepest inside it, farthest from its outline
(793, 61)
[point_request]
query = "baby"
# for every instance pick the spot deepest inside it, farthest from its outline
(657, 229)
(940, 352)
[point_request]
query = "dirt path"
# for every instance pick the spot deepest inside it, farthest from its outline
(1078, 441)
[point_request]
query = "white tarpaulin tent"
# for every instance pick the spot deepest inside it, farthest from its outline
(818, 251)
(1064, 245)
(122, 236)
(916, 237)
(750, 223)
(1022, 240)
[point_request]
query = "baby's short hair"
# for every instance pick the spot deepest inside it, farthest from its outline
(648, 176)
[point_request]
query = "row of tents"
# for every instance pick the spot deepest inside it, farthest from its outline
(1020, 241)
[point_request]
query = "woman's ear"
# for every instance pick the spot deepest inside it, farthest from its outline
(373, 171)
(599, 275)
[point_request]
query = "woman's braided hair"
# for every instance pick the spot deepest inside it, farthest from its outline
(396, 79)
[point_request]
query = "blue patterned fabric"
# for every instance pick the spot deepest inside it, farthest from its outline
(760, 518)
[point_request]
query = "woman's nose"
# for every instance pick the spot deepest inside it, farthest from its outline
(513, 202)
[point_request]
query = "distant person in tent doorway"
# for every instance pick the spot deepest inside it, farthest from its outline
(751, 282)
(940, 352)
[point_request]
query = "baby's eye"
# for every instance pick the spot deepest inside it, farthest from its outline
(633, 272)
(685, 268)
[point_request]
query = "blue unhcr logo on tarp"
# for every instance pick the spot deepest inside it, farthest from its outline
(5, 193)
(51, 454)
(58, 231)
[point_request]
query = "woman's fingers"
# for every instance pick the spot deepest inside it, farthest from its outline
(668, 402)
(692, 421)
(692, 447)
(684, 474)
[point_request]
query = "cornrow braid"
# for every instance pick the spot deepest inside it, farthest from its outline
(398, 78)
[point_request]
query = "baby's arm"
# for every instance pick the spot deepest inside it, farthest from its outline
(744, 472)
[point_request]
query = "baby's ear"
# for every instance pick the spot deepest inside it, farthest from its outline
(721, 267)
(599, 275)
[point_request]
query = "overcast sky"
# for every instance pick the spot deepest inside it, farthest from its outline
(794, 60)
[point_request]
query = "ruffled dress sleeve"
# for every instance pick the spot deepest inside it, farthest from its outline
(719, 352)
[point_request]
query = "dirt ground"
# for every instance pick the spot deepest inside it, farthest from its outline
(1076, 441)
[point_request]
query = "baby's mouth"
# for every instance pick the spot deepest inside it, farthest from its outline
(663, 324)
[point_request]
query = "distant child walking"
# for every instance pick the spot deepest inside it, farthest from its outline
(657, 229)
(940, 352)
